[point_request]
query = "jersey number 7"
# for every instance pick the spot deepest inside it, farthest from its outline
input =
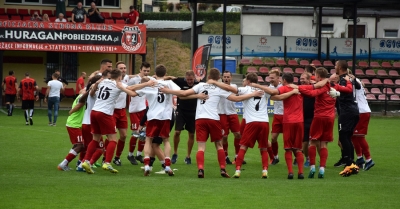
(257, 107)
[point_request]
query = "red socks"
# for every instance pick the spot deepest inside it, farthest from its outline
(356, 144)
(105, 148)
(91, 149)
(97, 154)
(141, 146)
(132, 144)
(82, 155)
(270, 153)
(120, 148)
(110, 151)
(200, 159)
(264, 159)
(167, 161)
(70, 157)
(239, 159)
(312, 154)
(275, 148)
(225, 146)
(323, 154)
(365, 147)
(146, 160)
(289, 159)
(237, 145)
(221, 158)
(300, 161)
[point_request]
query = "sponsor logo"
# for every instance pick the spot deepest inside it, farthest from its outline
(131, 38)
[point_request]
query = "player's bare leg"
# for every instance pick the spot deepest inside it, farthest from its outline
(177, 139)
(110, 149)
(120, 146)
(221, 158)
(190, 144)
(274, 143)
(201, 147)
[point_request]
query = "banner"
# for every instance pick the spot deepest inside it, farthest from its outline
(233, 43)
(305, 47)
(200, 61)
(72, 37)
(342, 48)
(385, 48)
(263, 46)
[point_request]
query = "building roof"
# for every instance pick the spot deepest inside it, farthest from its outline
(309, 11)
(170, 25)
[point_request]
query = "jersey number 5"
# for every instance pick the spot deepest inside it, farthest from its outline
(257, 107)
(104, 93)
(161, 97)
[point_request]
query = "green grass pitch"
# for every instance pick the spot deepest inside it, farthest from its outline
(29, 177)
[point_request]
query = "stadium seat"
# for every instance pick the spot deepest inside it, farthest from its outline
(116, 15)
(27, 18)
(69, 93)
(299, 71)
(106, 15)
(11, 11)
(397, 82)
(269, 62)
(15, 17)
(394, 98)
(366, 81)
(376, 81)
(281, 62)
(382, 73)
(245, 61)
(371, 97)
(375, 91)
(374, 65)
(397, 91)
(382, 97)
(393, 73)
(333, 71)
(33, 11)
(359, 73)
(295, 80)
(363, 64)
(396, 65)
(252, 70)
(267, 79)
(366, 90)
(68, 14)
(2, 11)
(316, 63)
(42, 93)
(55, 13)
(49, 13)
(388, 82)
(109, 21)
(4, 17)
(125, 15)
(23, 12)
(53, 19)
(260, 79)
(386, 65)
(293, 63)
(304, 63)
(389, 91)
(119, 21)
(263, 70)
(370, 73)
(287, 70)
(257, 61)
(350, 64)
(328, 63)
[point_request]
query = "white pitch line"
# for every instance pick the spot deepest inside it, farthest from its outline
(3, 111)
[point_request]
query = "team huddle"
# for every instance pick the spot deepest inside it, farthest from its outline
(304, 114)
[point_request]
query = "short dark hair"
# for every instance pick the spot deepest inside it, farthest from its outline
(115, 73)
(10, 72)
(161, 70)
(132, 7)
(105, 61)
(105, 73)
(214, 74)
(252, 77)
(310, 69)
(118, 63)
(145, 64)
(288, 77)
(93, 80)
(190, 73)
(26, 74)
(56, 75)
(342, 64)
(227, 71)
(321, 72)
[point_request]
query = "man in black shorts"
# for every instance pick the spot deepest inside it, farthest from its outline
(10, 89)
(28, 89)
(185, 116)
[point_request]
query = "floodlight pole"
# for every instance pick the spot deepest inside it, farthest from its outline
(194, 36)
(319, 33)
(354, 37)
(224, 38)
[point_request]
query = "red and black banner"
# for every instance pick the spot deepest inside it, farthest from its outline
(200, 61)
(72, 37)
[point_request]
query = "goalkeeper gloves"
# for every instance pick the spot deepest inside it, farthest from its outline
(333, 93)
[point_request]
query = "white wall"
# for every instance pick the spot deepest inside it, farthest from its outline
(387, 23)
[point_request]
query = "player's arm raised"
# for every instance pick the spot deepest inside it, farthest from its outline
(135, 87)
(285, 95)
(179, 93)
(321, 83)
(348, 88)
(266, 89)
(200, 96)
(235, 98)
(131, 93)
(223, 86)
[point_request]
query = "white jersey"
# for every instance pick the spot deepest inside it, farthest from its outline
(89, 106)
(107, 95)
(208, 109)
(227, 107)
(278, 105)
(362, 102)
(121, 101)
(55, 87)
(137, 104)
(255, 109)
(160, 104)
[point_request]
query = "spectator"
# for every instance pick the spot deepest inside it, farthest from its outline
(80, 83)
(36, 17)
(94, 14)
(133, 17)
(46, 18)
(79, 14)
(59, 78)
(61, 18)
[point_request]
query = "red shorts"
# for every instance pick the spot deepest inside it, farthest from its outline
(229, 122)
(322, 129)
(255, 131)
(277, 124)
(102, 123)
(242, 126)
(87, 134)
(135, 119)
(75, 135)
(159, 128)
(293, 135)
(121, 122)
(205, 127)
(362, 125)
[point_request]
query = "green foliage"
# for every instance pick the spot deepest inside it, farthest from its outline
(163, 6)
(203, 7)
(170, 7)
(201, 16)
(215, 6)
(232, 28)
(178, 6)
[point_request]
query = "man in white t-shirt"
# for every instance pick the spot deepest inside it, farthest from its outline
(54, 88)
(229, 119)
(207, 118)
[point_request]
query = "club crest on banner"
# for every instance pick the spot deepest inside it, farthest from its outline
(131, 38)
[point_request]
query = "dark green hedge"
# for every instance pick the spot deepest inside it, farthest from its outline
(187, 16)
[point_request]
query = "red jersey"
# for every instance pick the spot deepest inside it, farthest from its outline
(80, 82)
(28, 87)
(10, 82)
(292, 106)
(132, 17)
(324, 104)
